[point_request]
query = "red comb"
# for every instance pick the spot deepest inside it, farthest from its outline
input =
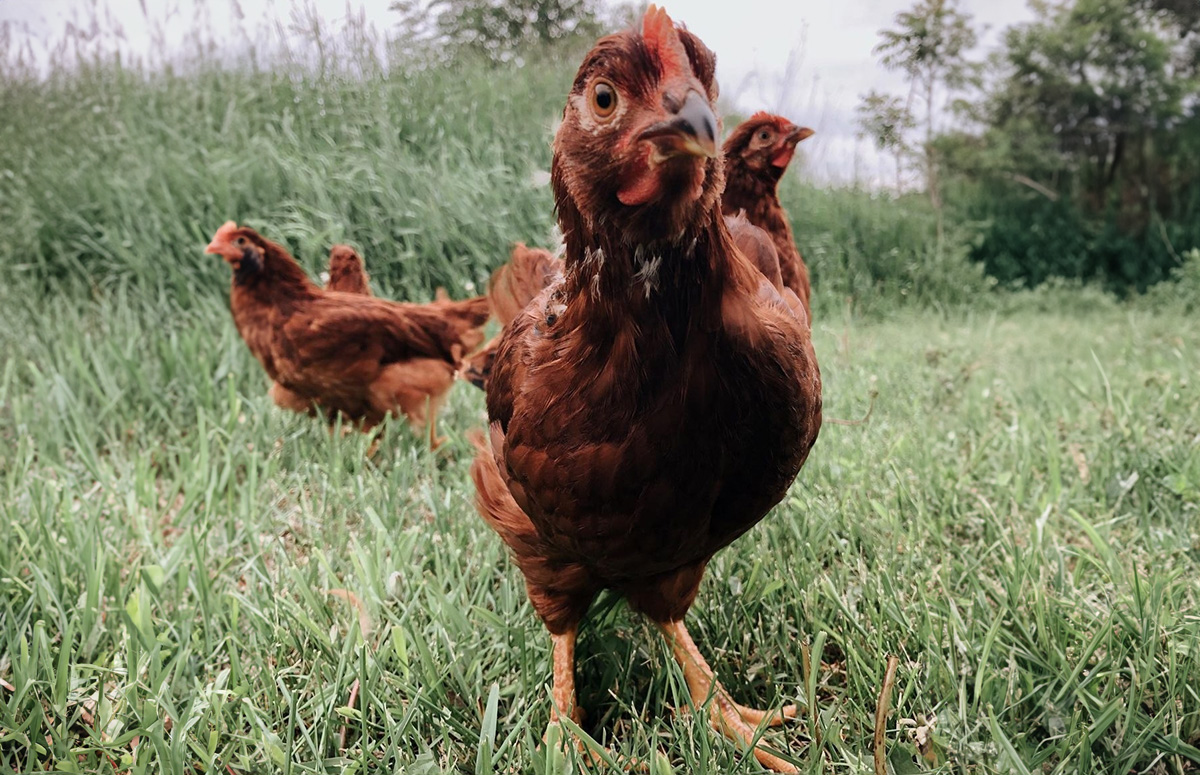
(766, 117)
(661, 37)
(226, 231)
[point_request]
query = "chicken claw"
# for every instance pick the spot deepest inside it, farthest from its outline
(772, 718)
(734, 721)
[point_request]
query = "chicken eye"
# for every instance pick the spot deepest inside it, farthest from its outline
(764, 135)
(241, 240)
(604, 99)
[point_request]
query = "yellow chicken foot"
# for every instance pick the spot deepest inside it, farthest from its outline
(772, 718)
(734, 721)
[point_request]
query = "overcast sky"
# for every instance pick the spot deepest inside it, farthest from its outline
(807, 59)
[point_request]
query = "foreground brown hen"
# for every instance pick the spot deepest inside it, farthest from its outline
(660, 396)
(757, 154)
(344, 353)
(529, 271)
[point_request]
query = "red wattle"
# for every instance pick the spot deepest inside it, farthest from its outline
(784, 157)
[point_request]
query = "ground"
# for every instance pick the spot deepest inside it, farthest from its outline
(193, 580)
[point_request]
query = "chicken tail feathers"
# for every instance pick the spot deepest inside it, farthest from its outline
(470, 313)
(467, 319)
(496, 504)
(528, 272)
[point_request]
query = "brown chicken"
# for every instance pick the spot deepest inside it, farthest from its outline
(342, 353)
(346, 272)
(757, 154)
(659, 398)
(510, 289)
(529, 271)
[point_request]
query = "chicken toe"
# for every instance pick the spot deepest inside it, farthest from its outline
(772, 718)
(736, 722)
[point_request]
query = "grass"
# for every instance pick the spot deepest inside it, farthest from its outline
(118, 174)
(192, 579)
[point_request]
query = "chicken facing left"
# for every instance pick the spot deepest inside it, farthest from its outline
(345, 352)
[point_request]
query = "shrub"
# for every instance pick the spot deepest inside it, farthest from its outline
(1182, 290)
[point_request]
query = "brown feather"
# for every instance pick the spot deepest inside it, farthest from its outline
(756, 245)
(512, 287)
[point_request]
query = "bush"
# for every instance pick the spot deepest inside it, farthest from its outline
(1182, 290)
(880, 253)
(1059, 295)
(1025, 239)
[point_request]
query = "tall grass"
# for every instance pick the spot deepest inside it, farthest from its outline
(116, 176)
(119, 172)
(878, 253)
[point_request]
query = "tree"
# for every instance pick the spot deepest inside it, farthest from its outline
(929, 44)
(1100, 78)
(1184, 13)
(886, 120)
(1084, 160)
(500, 29)
(1182, 17)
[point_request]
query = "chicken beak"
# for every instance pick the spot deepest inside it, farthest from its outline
(692, 131)
(785, 148)
(222, 242)
(799, 133)
(225, 249)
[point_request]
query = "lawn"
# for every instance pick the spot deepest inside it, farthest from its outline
(194, 581)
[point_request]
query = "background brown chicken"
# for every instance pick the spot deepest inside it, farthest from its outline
(757, 154)
(345, 353)
(347, 275)
(659, 398)
(510, 289)
(346, 271)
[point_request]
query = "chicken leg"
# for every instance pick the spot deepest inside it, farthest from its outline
(734, 721)
(564, 675)
(565, 705)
